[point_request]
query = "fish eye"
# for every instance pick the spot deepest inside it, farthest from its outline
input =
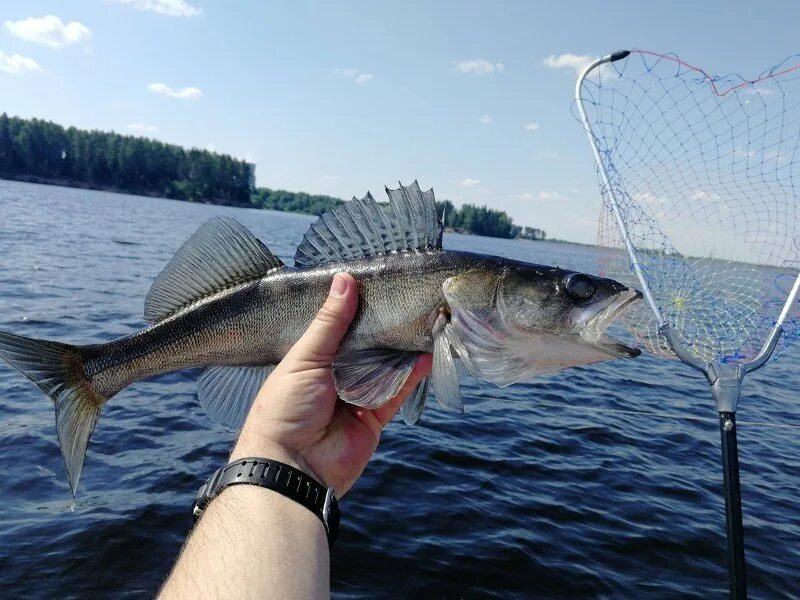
(579, 286)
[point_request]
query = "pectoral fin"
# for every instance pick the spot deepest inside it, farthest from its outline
(369, 378)
(446, 385)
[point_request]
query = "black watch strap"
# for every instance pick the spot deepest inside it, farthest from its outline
(279, 477)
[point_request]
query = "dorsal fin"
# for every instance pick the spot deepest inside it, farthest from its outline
(221, 254)
(362, 228)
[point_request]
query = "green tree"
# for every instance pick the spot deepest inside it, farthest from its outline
(36, 149)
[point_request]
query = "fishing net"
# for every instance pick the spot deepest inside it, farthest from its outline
(706, 173)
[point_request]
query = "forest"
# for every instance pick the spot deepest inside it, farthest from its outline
(310, 204)
(44, 152)
(481, 220)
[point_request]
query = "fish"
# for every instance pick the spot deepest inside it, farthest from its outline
(226, 304)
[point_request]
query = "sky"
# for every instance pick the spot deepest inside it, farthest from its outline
(471, 98)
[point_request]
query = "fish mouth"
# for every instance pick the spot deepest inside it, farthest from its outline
(597, 318)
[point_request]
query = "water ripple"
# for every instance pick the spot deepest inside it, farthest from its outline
(542, 490)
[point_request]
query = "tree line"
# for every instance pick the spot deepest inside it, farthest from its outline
(37, 150)
(45, 152)
(469, 218)
(486, 221)
(310, 204)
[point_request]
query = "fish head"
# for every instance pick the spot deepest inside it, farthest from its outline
(511, 321)
(574, 307)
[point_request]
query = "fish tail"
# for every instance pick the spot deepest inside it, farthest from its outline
(58, 371)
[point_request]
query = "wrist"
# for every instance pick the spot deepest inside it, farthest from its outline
(246, 446)
(250, 445)
(288, 480)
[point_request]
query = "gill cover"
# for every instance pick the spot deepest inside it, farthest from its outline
(485, 333)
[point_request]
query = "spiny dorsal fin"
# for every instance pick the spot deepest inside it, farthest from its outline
(362, 228)
(221, 254)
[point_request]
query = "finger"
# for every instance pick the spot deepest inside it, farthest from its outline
(421, 370)
(321, 340)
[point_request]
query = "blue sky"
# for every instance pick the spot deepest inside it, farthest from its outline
(341, 97)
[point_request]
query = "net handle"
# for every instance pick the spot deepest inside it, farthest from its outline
(677, 346)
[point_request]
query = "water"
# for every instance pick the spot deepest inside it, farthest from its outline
(540, 491)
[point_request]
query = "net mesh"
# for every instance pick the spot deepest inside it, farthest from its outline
(705, 171)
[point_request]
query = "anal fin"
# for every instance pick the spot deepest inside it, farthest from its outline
(227, 393)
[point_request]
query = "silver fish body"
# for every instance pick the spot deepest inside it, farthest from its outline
(226, 304)
(400, 297)
(257, 322)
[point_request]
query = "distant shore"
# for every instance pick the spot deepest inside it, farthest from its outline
(38, 151)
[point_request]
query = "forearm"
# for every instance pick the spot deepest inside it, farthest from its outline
(253, 543)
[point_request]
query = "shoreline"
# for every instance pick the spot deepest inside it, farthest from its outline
(82, 185)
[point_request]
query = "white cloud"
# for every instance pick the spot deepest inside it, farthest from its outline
(479, 66)
(577, 62)
(355, 75)
(49, 31)
(758, 90)
(485, 119)
(17, 64)
(169, 8)
(350, 73)
(531, 127)
(547, 196)
(332, 177)
(211, 147)
(469, 182)
(649, 198)
(187, 93)
(704, 195)
(523, 197)
(142, 128)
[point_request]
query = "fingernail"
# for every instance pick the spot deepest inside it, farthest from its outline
(339, 285)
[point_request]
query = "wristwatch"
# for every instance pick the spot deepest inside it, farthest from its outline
(280, 478)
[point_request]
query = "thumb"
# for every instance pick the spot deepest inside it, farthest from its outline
(322, 338)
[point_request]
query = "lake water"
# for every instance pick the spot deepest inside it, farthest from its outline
(544, 490)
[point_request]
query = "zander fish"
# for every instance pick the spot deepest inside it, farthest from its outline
(226, 303)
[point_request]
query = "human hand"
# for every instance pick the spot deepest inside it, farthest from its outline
(297, 417)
